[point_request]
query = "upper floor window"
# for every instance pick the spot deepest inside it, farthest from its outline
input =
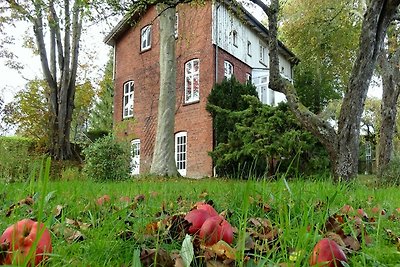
(228, 69)
(128, 100)
(145, 38)
(263, 54)
(249, 48)
(235, 38)
(176, 25)
(192, 76)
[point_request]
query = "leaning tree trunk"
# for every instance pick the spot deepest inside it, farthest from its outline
(389, 63)
(163, 163)
(343, 145)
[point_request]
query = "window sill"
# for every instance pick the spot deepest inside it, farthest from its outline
(145, 50)
(191, 102)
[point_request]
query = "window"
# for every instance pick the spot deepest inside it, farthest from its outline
(128, 100)
(249, 48)
(135, 161)
(192, 76)
(180, 152)
(145, 41)
(176, 25)
(248, 78)
(228, 69)
(262, 89)
(235, 38)
(263, 55)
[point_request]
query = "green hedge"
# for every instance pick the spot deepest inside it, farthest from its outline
(18, 156)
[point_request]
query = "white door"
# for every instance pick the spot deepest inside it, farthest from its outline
(180, 152)
(135, 162)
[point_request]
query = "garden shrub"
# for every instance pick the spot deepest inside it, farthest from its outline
(267, 141)
(107, 159)
(18, 156)
(391, 174)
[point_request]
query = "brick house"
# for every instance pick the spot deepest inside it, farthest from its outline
(226, 41)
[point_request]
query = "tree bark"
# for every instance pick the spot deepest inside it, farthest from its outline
(163, 163)
(343, 145)
(389, 63)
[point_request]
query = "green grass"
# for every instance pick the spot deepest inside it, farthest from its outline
(298, 209)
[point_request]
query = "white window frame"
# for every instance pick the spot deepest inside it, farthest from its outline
(249, 48)
(228, 69)
(235, 38)
(128, 99)
(192, 79)
(135, 157)
(181, 143)
(263, 55)
(176, 27)
(145, 38)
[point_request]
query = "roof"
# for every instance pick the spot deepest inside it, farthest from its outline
(131, 18)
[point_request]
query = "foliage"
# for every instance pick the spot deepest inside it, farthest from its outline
(227, 95)
(107, 159)
(268, 140)
(18, 156)
(391, 174)
(101, 117)
(324, 35)
(84, 97)
(30, 113)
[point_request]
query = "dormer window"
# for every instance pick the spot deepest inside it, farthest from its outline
(145, 38)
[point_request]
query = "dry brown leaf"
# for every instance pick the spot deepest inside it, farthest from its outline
(139, 198)
(26, 201)
(335, 237)
(352, 243)
(215, 263)
(156, 258)
(58, 211)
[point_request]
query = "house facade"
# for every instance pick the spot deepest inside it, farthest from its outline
(213, 41)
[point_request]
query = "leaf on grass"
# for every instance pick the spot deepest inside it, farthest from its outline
(70, 235)
(214, 263)
(58, 211)
(337, 238)
(139, 198)
(78, 224)
(156, 257)
(352, 243)
(126, 235)
(222, 250)
(394, 238)
(187, 251)
(26, 201)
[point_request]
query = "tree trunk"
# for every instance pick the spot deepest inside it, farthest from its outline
(390, 94)
(163, 163)
(343, 145)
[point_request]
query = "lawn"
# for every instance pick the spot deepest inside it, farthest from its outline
(293, 217)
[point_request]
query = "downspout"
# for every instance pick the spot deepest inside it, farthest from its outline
(216, 76)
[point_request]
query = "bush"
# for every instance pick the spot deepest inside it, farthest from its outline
(18, 157)
(391, 174)
(107, 159)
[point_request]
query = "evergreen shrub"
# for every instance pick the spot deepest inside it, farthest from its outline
(107, 159)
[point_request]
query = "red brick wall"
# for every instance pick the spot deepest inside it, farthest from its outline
(194, 41)
(239, 68)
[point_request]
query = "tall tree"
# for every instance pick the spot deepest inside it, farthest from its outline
(389, 61)
(101, 118)
(323, 35)
(60, 22)
(164, 158)
(342, 144)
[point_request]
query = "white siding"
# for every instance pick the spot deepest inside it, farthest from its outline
(224, 24)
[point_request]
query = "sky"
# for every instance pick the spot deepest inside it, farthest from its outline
(96, 52)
